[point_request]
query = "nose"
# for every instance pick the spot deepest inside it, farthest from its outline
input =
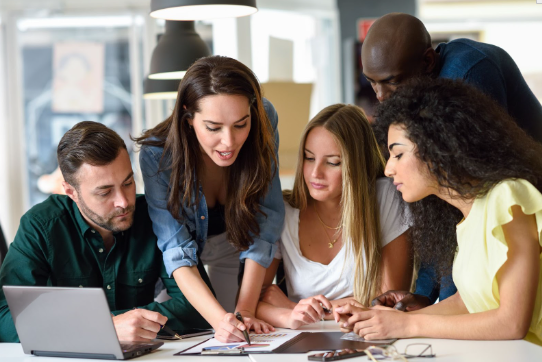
(228, 138)
(389, 171)
(381, 92)
(121, 199)
(316, 171)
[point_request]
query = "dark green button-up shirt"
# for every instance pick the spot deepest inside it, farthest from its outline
(55, 246)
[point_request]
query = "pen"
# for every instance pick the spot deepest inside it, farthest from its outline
(245, 332)
(170, 331)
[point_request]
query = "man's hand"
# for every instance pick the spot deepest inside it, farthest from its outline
(138, 325)
(401, 300)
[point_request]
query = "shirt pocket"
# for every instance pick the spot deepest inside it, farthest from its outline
(136, 288)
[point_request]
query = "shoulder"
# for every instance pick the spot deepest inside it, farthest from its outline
(385, 190)
(55, 207)
(290, 212)
(142, 224)
(271, 112)
(513, 191)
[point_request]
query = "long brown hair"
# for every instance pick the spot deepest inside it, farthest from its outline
(361, 164)
(251, 173)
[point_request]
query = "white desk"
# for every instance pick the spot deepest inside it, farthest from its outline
(446, 350)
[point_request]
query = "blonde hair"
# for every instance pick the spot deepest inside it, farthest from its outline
(361, 164)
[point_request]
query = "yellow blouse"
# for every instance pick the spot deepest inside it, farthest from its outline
(482, 248)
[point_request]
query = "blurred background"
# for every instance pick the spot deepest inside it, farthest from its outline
(65, 61)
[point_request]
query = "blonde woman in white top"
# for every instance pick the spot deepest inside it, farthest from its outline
(344, 232)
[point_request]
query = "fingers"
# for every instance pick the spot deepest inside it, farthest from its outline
(412, 302)
(230, 329)
(138, 325)
(152, 316)
(318, 303)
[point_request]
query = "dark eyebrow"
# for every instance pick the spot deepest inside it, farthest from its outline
(218, 123)
(387, 79)
(306, 150)
(109, 186)
(395, 144)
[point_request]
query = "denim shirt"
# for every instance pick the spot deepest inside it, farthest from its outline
(181, 242)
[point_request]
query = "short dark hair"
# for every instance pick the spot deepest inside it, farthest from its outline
(87, 142)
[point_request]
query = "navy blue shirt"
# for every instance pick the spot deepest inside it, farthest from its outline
(490, 69)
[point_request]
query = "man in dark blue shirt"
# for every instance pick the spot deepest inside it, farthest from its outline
(397, 48)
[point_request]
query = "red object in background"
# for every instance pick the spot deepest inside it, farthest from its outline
(363, 28)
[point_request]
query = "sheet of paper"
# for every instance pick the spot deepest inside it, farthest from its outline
(259, 343)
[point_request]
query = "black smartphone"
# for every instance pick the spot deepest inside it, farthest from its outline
(337, 355)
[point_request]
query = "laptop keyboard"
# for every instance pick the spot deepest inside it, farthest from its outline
(128, 347)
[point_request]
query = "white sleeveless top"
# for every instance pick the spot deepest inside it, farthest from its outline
(305, 278)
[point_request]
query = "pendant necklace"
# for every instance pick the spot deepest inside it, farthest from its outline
(332, 242)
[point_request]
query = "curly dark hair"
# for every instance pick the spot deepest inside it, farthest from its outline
(469, 144)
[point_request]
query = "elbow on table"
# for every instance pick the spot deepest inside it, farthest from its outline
(516, 329)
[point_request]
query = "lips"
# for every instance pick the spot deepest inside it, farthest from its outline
(317, 185)
(224, 155)
(398, 185)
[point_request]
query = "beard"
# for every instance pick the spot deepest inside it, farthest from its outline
(109, 222)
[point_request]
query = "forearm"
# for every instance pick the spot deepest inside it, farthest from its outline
(490, 325)
(451, 306)
(199, 295)
(251, 286)
(276, 316)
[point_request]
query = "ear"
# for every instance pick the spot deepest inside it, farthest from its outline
(70, 191)
(430, 57)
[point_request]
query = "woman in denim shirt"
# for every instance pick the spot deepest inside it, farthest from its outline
(212, 165)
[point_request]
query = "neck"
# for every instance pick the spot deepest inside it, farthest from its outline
(453, 198)
(330, 211)
(107, 235)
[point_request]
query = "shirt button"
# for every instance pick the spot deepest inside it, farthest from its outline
(93, 231)
(203, 217)
(140, 280)
(101, 250)
(109, 287)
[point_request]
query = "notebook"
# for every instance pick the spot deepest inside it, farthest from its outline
(281, 341)
(68, 322)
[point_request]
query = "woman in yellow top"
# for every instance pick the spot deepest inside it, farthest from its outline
(468, 171)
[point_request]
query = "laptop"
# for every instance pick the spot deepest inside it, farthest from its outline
(68, 322)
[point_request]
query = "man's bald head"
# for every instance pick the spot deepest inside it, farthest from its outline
(396, 48)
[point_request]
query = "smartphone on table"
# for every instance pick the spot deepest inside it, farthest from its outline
(336, 355)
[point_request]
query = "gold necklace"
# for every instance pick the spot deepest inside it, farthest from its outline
(331, 241)
(319, 218)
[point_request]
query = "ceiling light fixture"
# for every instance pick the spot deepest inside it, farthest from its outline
(177, 49)
(201, 9)
(161, 88)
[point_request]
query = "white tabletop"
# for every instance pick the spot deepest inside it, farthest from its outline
(447, 350)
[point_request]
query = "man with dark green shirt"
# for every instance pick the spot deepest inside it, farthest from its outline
(99, 235)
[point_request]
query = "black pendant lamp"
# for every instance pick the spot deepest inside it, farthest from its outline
(201, 9)
(160, 88)
(177, 49)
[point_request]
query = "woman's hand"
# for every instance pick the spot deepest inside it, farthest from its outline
(255, 324)
(273, 295)
(230, 329)
(309, 310)
(373, 323)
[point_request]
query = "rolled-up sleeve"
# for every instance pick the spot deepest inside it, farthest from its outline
(264, 247)
(174, 239)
